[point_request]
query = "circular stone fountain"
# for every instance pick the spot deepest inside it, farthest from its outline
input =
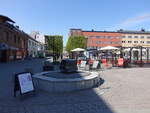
(57, 81)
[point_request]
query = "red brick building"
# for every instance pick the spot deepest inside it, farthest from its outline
(13, 42)
(98, 39)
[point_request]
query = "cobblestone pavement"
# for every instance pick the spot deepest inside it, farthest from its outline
(123, 91)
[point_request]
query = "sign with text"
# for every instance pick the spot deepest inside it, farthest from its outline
(83, 64)
(25, 82)
(95, 64)
(120, 61)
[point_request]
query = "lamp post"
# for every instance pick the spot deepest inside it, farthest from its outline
(131, 55)
(53, 49)
(141, 64)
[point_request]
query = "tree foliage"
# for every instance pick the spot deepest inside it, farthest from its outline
(76, 42)
(54, 43)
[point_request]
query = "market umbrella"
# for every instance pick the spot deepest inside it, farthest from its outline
(77, 49)
(109, 48)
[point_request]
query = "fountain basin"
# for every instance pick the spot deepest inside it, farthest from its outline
(55, 81)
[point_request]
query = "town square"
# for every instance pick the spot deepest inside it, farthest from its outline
(74, 56)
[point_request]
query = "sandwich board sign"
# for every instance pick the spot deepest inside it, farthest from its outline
(120, 61)
(95, 64)
(83, 64)
(23, 83)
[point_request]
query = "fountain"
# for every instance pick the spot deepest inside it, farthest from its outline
(67, 79)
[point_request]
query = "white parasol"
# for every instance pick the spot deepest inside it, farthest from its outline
(109, 48)
(77, 49)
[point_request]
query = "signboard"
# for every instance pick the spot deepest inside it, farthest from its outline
(120, 61)
(83, 64)
(95, 64)
(25, 82)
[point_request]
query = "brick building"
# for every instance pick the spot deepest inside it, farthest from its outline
(98, 39)
(13, 42)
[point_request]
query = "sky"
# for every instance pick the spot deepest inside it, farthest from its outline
(56, 17)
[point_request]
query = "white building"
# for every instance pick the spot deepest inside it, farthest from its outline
(37, 36)
(40, 40)
(33, 47)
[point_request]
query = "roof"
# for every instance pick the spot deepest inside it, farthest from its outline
(75, 29)
(102, 31)
(6, 18)
(133, 32)
(142, 31)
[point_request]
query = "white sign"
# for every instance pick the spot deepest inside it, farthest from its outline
(95, 64)
(83, 64)
(25, 81)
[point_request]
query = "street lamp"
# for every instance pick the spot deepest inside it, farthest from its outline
(53, 49)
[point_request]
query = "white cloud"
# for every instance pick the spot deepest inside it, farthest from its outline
(131, 22)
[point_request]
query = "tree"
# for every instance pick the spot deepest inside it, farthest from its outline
(54, 44)
(75, 42)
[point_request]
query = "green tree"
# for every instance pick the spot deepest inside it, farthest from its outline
(54, 44)
(75, 42)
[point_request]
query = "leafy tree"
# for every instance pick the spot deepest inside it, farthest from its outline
(75, 42)
(54, 44)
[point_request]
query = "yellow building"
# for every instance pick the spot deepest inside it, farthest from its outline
(135, 38)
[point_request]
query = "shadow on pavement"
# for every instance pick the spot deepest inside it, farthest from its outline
(86, 101)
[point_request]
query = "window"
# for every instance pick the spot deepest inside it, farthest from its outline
(142, 36)
(98, 42)
(123, 36)
(18, 40)
(129, 36)
(148, 42)
(15, 39)
(148, 37)
(29, 43)
(98, 37)
(32, 44)
(135, 36)
(7, 36)
(123, 41)
(141, 41)
(129, 41)
(109, 37)
(135, 41)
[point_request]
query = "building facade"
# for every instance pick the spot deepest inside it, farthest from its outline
(120, 38)
(98, 39)
(135, 38)
(39, 41)
(13, 41)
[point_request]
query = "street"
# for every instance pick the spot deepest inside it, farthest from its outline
(123, 91)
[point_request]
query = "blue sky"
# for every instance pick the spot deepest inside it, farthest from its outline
(56, 17)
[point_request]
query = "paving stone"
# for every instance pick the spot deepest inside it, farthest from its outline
(123, 90)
